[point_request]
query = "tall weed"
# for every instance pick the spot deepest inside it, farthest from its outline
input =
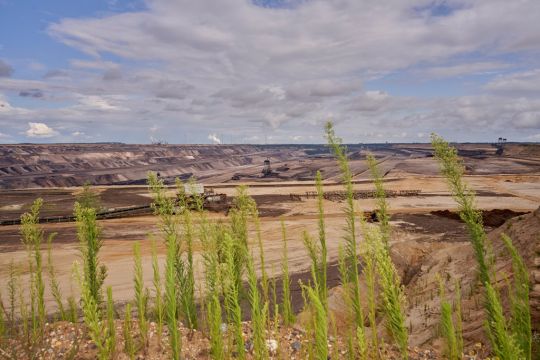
(504, 339)
(32, 236)
(90, 240)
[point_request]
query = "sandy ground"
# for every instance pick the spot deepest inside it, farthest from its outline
(518, 193)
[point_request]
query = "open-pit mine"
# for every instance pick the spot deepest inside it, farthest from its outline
(428, 238)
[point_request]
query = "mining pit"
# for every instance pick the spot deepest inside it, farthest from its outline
(427, 238)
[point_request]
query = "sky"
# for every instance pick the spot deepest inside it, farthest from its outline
(269, 71)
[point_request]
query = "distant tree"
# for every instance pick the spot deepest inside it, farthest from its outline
(89, 198)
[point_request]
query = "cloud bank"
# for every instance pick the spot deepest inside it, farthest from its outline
(383, 71)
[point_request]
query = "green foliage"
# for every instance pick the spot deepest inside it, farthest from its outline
(504, 345)
(110, 341)
(88, 233)
(141, 297)
(129, 345)
(322, 270)
(258, 313)
(72, 309)
(319, 323)
(232, 295)
(286, 306)
(448, 330)
(391, 292)
(340, 152)
(458, 315)
(361, 343)
(88, 198)
(264, 274)
(184, 265)
(12, 296)
(452, 169)
(24, 320)
(170, 299)
(217, 350)
(519, 300)
(158, 294)
(164, 207)
(32, 236)
(382, 204)
(241, 212)
(503, 337)
(92, 316)
(3, 325)
(53, 282)
(370, 274)
(211, 239)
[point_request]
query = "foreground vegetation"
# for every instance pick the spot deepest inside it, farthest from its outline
(234, 290)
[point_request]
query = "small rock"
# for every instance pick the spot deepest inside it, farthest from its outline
(296, 346)
(272, 345)
(223, 327)
(248, 345)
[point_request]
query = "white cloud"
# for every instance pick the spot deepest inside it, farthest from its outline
(241, 70)
(521, 83)
(214, 138)
(40, 130)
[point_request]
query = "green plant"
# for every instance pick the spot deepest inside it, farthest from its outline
(211, 240)
(502, 337)
(313, 254)
(322, 270)
(391, 291)
(88, 233)
(458, 312)
(258, 313)
(32, 236)
(520, 322)
(452, 169)
(504, 345)
(370, 274)
(217, 350)
(185, 272)
(141, 297)
(12, 295)
(264, 275)
(170, 299)
(164, 207)
(24, 319)
(448, 329)
(287, 312)
(129, 346)
(380, 196)
(158, 294)
(92, 316)
(110, 340)
(88, 198)
(53, 282)
(320, 325)
(3, 325)
(340, 152)
(232, 295)
(241, 211)
(72, 309)
(361, 343)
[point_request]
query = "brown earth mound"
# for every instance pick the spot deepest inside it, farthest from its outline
(491, 218)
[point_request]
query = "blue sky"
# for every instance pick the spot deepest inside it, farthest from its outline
(268, 70)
